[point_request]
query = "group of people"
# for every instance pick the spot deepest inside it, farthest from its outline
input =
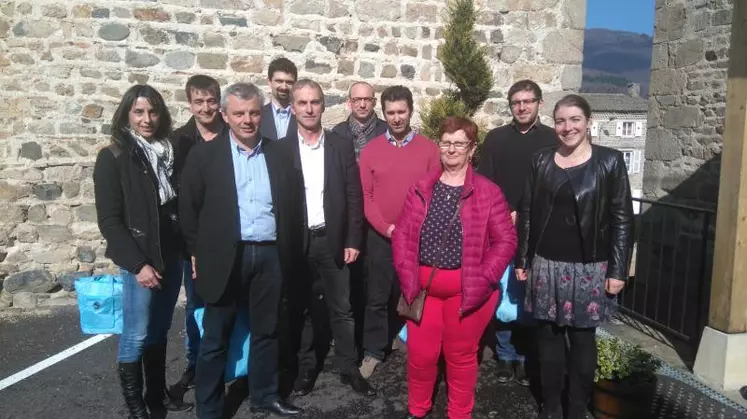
(263, 213)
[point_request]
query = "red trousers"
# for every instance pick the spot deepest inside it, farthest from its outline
(442, 327)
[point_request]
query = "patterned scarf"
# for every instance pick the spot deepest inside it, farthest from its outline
(160, 155)
(361, 132)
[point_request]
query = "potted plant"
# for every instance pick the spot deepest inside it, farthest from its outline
(625, 380)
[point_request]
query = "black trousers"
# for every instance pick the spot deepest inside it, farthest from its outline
(381, 321)
(256, 283)
(580, 360)
(333, 284)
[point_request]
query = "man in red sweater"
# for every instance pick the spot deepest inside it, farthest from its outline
(389, 165)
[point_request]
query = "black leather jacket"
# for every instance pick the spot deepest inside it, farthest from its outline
(604, 205)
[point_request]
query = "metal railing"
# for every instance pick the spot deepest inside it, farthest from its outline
(669, 288)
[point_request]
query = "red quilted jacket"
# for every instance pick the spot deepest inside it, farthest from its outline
(489, 238)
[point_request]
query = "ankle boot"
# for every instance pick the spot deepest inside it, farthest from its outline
(156, 395)
(131, 379)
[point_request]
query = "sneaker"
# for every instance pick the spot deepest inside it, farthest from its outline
(520, 374)
(368, 366)
(505, 372)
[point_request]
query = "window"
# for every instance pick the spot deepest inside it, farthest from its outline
(629, 129)
(595, 129)
(632, 161)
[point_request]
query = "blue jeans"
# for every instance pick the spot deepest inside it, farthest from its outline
(505, 349)
(146, 313)
(192, 338)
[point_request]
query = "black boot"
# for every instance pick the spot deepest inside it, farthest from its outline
(156, 396)
(131, 379)
(186, 383)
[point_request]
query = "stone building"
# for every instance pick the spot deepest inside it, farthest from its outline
(619, 121)
(688, 98)
(65, 65)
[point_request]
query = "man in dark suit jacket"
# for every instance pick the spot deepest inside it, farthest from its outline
(277, 118)
(334, 223)
(362, 125)
(241, 214)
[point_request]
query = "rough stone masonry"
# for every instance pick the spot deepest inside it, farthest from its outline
(65, 65)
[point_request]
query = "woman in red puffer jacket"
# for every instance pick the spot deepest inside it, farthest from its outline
(455, 232)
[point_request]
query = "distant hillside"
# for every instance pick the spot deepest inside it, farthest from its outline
(612, 59)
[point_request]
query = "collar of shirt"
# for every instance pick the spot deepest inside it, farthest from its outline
(318, 145)
(534, 125)
(237, 148)
(406, 141)
(280, 111)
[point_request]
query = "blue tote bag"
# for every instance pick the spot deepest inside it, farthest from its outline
(100, 304)
(512, 296)
(237, 364)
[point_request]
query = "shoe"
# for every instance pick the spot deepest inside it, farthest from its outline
(186, 383)
(520, 374)
(505, 372)
(368, 366)
(304, 383)
(555, 412)
(359, 384)
(409, 416)
(279, 408)
(156, 396)
(131, 379)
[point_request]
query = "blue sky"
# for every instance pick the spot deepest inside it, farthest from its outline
(626, 15)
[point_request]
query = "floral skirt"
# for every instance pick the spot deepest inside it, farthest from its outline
(569, 294)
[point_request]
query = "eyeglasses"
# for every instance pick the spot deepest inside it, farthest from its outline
(459, 145)
(525, 102)
(357, 100)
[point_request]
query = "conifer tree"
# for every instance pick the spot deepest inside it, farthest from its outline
(466, 65)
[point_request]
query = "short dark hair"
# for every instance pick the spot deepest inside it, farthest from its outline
(453, 124)
(525, 86)
(282, 65)
(202, 82)
(121, 120)
(395, 94)
(573, 101)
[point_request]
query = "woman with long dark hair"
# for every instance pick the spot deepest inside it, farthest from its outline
(575, 241)
(136, 190)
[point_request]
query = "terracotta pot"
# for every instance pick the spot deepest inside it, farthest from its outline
(619, 400)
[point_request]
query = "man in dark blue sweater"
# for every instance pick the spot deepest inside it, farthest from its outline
(506, 158)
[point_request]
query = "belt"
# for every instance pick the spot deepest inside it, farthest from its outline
(258, 243)
(318, 232)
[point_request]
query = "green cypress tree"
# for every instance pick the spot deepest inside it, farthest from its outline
(465, 63)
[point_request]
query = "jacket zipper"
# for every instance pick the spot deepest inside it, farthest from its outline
(158, 218)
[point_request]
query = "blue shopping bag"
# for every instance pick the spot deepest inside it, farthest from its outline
(237, 364)
(100, 304)
(508, 308)
(403, 334)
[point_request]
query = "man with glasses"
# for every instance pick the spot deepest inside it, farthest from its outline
(389, 165)
(363, 124)
(505, 160)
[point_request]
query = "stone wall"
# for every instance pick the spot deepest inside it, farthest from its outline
(65, 65)
(688, 98)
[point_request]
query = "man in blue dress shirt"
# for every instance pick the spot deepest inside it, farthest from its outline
(277, 119)
(242, 217)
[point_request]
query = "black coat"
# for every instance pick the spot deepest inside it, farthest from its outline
(267, 126)
(208, 208)
(604, 209)
(187, 134)
(127, 203)
(343, 195)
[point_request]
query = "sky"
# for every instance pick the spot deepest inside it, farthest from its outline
(626, 15)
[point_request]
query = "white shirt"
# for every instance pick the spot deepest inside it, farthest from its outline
(312, 165)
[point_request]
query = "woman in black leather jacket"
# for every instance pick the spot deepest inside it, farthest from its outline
(575, 240)
(135, 188)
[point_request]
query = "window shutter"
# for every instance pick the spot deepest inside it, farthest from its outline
(636, 204)
(595, 129)
(619, 129)
(639, 129)
(635, 166)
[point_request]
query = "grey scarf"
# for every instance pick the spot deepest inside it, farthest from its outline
(160, 155)
(361, 132)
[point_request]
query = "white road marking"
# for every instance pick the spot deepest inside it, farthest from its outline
(28, 372)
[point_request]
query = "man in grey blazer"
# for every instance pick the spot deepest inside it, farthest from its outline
(277, 118)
